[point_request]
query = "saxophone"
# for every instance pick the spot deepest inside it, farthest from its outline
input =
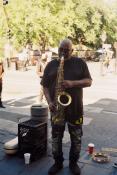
(62, 98)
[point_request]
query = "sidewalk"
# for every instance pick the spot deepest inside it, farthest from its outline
(100, 127)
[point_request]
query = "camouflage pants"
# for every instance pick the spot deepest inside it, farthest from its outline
(75, 132)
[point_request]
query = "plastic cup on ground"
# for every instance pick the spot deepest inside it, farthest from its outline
(91, 148)
(27, 158)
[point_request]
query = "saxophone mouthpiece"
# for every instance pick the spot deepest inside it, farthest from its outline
(61, 58)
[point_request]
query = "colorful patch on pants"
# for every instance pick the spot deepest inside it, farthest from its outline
(79, 121)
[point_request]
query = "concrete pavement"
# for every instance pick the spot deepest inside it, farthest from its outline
(100, 122)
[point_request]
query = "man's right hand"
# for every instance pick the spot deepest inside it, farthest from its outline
(52, 107)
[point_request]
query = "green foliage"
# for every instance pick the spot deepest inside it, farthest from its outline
(45, 22)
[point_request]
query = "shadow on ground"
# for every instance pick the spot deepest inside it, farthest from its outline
(101, 130)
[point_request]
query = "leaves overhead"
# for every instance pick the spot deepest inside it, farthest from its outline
(47, 22)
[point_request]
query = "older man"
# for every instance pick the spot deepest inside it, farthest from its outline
(76, 76)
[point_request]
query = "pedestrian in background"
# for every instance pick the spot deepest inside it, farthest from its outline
(41, 64)
(1, 82)
(48, 54)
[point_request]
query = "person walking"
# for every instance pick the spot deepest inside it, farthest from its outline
(63, 82)
(1, 75)
(41, 64)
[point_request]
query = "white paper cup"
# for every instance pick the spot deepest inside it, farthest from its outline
(27, 158)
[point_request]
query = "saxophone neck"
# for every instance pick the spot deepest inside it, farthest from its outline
(62, 58)
(62, 61)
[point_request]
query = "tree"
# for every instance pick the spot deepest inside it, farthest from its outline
(45, 22)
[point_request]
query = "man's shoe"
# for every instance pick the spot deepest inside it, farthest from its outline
(74, 169)
(55, 169)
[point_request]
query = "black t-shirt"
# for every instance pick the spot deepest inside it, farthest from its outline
(74, 69)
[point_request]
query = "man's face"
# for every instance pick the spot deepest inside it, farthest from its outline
(65, 50)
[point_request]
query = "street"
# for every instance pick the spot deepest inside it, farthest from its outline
(19, 84)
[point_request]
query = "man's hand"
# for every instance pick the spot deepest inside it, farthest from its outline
(67, 84)
(52, 107)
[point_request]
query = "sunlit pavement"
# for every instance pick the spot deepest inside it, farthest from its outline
(100, 122)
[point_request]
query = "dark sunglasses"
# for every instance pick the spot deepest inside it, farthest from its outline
(64, 50)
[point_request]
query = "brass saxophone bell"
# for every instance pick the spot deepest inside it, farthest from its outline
(64, 99)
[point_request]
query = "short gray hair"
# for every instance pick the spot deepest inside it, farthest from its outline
(67, 41)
